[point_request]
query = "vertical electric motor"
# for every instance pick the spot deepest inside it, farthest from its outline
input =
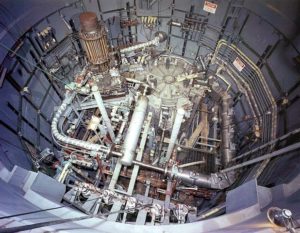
(94, 39)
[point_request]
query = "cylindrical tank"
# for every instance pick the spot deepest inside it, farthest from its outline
(134, 131)
(175, 131)
(94, 39)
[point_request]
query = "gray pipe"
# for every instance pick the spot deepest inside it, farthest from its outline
(134, 131)
(102, 109)
(175, 131)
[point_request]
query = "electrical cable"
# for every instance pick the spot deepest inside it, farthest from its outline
(42, 210)
(42, 224)
(61, 221)
(32, 212)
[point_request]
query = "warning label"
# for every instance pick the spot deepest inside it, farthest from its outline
(210, 7)
(238, 64)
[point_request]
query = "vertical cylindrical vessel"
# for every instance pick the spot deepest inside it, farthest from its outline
(176, 127)
(94, 39)
(134, 131)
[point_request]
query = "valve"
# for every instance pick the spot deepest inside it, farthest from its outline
(180, 212)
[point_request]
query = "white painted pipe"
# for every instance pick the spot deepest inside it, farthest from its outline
(134, 131)
(102, 109)
(175, 131)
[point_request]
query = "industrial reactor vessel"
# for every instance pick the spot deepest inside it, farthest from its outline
(149, 116)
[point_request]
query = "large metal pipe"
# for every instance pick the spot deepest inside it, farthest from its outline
(68, 140)
(213, 181)
(175, 131)
(185, 176)
(226, 135)
(134, 131)
(189, 177)
(102, 109)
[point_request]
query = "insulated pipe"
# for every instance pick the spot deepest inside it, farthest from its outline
(175, 131)
(68, 140)
(155, 41)
(159, 38)
(227, 153)
(134, 131)
(102, 109)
